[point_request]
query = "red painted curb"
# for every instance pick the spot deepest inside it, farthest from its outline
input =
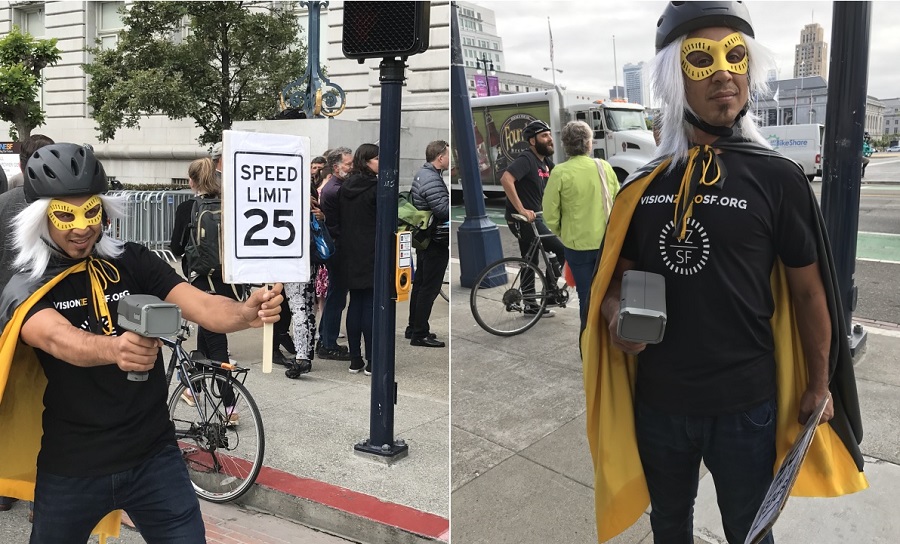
(359, 504)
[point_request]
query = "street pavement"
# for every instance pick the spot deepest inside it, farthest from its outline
(521, 470)
(311, 474)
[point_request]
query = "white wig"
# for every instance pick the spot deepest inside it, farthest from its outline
(32, 235)
(667, 77)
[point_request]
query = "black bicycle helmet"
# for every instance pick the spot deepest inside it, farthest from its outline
(534, 128)
(63, 170)
(680, 18)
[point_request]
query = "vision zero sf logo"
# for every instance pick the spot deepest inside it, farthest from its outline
(687, 256)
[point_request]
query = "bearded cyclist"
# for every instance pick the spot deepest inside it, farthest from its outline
(524, 181)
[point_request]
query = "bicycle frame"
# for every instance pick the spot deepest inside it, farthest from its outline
(538, 247)
(186, 366)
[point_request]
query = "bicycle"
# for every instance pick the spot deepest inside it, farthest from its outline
(511, 295)
(217, 423)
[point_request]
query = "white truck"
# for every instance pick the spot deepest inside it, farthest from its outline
(803, 143)
(620, 132)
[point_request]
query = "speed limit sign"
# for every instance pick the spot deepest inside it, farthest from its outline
(265, 208)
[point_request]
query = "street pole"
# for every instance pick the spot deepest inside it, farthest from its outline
(844, 127)
(615, 68)
(478, 238)
(381, 444)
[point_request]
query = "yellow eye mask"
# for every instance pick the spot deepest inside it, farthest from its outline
(702, 57)
(65, 216)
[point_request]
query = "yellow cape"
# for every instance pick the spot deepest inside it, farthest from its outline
(22, 384)
(620, 490)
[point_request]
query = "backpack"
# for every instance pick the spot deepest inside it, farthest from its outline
(412, 219)
(202, 250)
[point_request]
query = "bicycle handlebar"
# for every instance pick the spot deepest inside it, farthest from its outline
(520, 217)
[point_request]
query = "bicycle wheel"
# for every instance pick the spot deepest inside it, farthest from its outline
(223, 448)
(509, 297)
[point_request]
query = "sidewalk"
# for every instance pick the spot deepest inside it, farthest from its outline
(311, 473)
(225, 524)
(521, 469)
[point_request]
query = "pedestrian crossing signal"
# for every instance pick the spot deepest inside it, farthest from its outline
(385, 29)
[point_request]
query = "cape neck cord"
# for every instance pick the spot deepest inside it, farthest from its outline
(100, 273)
(703, 168)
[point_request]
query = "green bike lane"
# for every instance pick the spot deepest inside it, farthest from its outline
(870, 246)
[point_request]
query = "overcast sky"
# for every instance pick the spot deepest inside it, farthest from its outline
(583, 38)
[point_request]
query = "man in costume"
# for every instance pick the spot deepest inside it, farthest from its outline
(754, 337)
(87, 440)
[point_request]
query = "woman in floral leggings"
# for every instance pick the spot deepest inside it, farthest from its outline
(302, 299)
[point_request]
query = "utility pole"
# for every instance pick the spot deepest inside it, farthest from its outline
(844, 127)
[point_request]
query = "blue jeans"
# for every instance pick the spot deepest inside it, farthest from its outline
(157, 495)
(739, 451)
(335, 300)
(582, 263)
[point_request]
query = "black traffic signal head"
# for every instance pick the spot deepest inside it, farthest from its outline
(385, 29)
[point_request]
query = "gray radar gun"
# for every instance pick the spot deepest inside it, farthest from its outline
(642, 308)
(150, 317)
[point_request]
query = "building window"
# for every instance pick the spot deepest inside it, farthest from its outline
(109, 23)
(32, 22)
(773, 117)
(787, 116)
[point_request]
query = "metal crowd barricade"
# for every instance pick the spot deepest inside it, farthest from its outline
(149, 218)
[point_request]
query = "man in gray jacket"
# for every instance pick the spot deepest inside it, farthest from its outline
(429, 192)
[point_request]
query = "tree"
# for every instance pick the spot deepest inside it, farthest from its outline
(21, 60)
(231, 66)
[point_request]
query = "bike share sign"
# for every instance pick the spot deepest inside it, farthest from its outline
(265, 208)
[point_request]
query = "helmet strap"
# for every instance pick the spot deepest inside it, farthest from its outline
(722, 132)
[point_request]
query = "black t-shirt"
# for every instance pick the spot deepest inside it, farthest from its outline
(531, 179)
(96, 422)
(717, 353)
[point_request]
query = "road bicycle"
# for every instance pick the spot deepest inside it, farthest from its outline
(218, 426)
(512, 294)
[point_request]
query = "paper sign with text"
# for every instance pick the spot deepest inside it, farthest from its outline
(780, 489)
(265, 207)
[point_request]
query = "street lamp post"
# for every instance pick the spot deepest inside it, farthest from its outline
(489, 73)
(553, 71)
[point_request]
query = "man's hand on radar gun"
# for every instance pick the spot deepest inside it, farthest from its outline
(135, 353)
(630, 348)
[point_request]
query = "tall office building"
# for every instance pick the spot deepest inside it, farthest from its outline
(478, 34)
(480, 42)
(635, 90)
(811, 54)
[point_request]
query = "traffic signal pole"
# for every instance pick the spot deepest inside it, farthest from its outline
(381, 444)
(478, 239)
(844, 128)
(391, 31)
